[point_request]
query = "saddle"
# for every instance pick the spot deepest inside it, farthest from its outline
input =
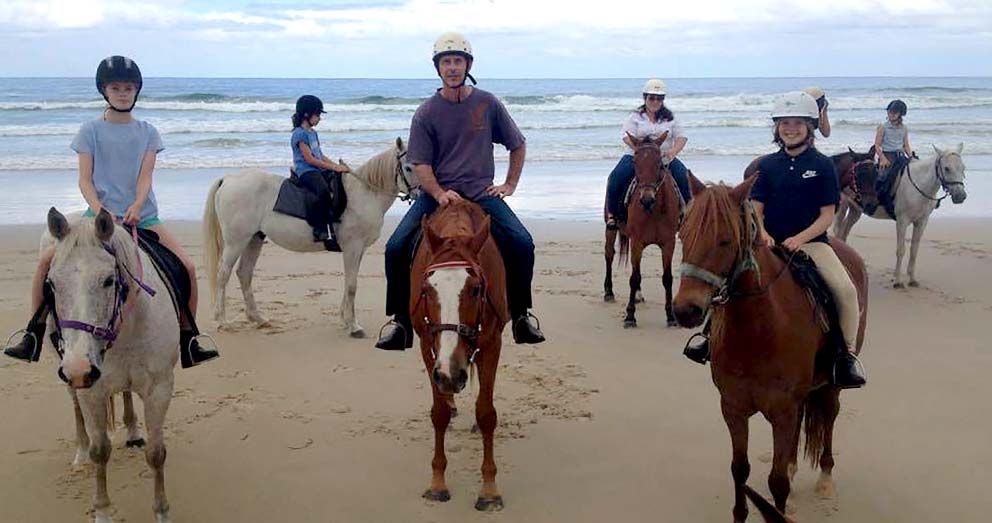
(173, 273)
(808, 277)
(294, 199)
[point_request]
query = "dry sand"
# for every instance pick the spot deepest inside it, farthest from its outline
(297, 422)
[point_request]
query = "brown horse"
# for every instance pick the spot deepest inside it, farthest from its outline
(767, 347)
(458, 305)
(652, 219)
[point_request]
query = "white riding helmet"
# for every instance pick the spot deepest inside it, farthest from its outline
(797, 104)
(654, 86)
(815, 92)
(452, 43)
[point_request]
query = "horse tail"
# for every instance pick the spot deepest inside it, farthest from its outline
(213, 237)
(624, 249)
(818, 413)
(767, 510)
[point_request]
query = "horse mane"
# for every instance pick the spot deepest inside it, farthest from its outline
(712, 210)
(379, 173)
(82, 233)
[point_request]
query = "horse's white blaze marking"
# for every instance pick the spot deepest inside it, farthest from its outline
(449, 284)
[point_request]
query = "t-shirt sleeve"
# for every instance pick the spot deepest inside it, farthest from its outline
(629, 126)
(299, 135)
(505, 130)
(420, 146)
(761, 189)
(84, 142)
(829, 185)
(677, 131)
(154, 140)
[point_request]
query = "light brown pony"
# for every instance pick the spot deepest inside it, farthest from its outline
(652, 219)
(769, 353)
(459, 308)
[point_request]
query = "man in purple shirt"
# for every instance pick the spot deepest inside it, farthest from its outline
(451, 146)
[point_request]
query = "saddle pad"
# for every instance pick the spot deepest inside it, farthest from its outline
(293, 200)
(808, 277)
(172, 271)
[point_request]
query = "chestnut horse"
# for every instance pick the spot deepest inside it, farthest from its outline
(652, 219)
(458, 305)
(768, 349)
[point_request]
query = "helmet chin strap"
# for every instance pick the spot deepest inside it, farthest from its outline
(116, 110)
(468, 76)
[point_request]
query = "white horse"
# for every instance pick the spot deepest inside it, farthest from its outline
(239, 216)
(115, 337)
(915, 198)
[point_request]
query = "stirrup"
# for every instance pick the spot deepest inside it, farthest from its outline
(524, 318)
(213, 343)
(858, 366)
(36, 346)
(392, 322)
(688, 349)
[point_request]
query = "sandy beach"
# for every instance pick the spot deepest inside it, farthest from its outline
(298, 422)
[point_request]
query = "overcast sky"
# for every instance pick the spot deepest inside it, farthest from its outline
(512, 38)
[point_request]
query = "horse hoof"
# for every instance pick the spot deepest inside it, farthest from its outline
(639, 299)
(82, 458)
(260, 322)
(359, 334)
(135, 443)
(441, 495)
(673, 323)
(914, 283)
(609, 298)
(898, 285)
(162, 517)
(489, 504)
(629, 324)
(825, 488)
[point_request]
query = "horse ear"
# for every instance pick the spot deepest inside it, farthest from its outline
(850, 150)
(58, 226)
(695, 185)
(104, 225)
(936, 149)
(399, 143)
(871, 150)
(633, 140)
(661, 139)
(433, 240)
(481, 235)
(741, 192)
(960, 147)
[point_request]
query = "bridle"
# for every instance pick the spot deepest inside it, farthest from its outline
(469, 333)
(122, 305)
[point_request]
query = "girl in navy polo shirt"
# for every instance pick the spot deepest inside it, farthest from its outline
(795, 198)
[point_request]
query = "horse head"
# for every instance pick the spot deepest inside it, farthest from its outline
(949, 168)
(457, 294)
(407, 181)
(89, 292)
(648, 168)
(716, 236)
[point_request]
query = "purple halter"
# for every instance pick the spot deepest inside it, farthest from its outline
(121, 291)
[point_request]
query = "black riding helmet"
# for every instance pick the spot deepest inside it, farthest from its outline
(118, 69)
(897, 106)
(309, 105)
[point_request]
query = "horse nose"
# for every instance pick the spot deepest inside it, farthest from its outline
(462, 379)
(436, 375)
(647, 201)
(959, 197)
(688, 315)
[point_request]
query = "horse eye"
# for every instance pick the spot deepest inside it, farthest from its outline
(476, 291)
(109, 282)
(724, 243)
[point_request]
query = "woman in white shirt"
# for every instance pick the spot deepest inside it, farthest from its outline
(650, 119)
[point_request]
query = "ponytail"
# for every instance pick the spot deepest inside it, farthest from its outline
(297, 120)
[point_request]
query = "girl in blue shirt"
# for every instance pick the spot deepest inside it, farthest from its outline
(314, 170)
(116, 158)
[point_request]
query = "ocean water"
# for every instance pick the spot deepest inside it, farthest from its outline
(214, 126)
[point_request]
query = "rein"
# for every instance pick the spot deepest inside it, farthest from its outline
(122, 305)
(407, 194)
(940, 178)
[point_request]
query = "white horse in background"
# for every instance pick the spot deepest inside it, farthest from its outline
(239, 216)
(915, 198)
(114, 337)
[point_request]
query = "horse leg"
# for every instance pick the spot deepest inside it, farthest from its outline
(352, 253)
(636, 249)
(784, 437)
(667, 252)
(440, 416)
(229, 256)
(489, 499)
(94, 410)
(918, 227)
(825, 483)
(611, 238)
(134, 438)
(82, 438)
(740, 468)
(246, 270)
(901, 225)
(156, 405)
